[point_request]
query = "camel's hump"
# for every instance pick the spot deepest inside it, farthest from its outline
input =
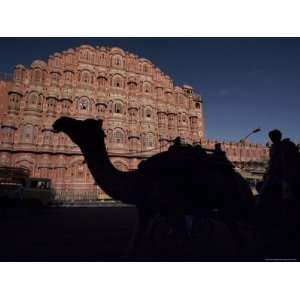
(171, 159)
(181, 158)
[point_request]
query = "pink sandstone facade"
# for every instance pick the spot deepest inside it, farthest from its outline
(141, 107)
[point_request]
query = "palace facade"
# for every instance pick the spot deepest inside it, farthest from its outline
(143, 111)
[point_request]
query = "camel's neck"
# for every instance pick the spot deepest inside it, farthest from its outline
(117, 184)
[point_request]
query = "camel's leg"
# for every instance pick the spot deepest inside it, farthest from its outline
(179, 224)
(144, 218)
(236, 234)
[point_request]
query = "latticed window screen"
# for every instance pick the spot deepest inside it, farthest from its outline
(149, 140)
(118, 108)
(118, 137)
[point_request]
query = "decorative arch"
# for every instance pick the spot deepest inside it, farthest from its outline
(118, 136)
(55, 78)
(86, 77)
(117, 61)
(5, 159)
(14, 101)
(102, 81)
(101, 108)
(68, 76)
(32, 99)
(118, 107)
(102, 58)
(149, 140)
(27, 133)
(51, 105)
(8, 134)
(84, 105)
(47, 137)
(147, 87)
(118, 81)
(145, 68)
(132, 85)
(184, 118)
(77, 170)
(148, 112)
(26, 164)
(37, 75)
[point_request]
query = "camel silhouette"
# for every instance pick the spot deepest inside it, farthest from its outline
(178, 182)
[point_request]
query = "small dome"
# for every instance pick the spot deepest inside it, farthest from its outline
(145, 60)
(86, 47)
(116, 50)
(19, 66)
(69, 51)
(38, 64)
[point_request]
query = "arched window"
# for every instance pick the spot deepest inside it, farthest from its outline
(159, 92)
(69, 59)
(65, 105)
(148, 112)
(102, 59)
(33, 98)
(84, 55)
(27, 133)
(118, 61)
(37, 76)
(102, 81)
(85, 77)
(118, 136)
(18, 74)
(147, 88)
(84, 104)
(118, 82)
(55, 78)
(62, 139)
(14, 101)
(118, 108)
(101, 108)
(161, 117)
(47, 140)
(8, 135)
(51, 105)
(68, 77)
(131, 86)
(133, 113)
(149, 140)
(145, 69)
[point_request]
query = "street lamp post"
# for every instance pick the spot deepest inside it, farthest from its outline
(243, 140)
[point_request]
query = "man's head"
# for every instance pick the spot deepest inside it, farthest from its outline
(275, 136)
(177, 141)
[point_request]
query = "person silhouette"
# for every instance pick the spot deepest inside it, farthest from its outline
(199, 149)
(219, 153)
(283, 164)
(220, 156)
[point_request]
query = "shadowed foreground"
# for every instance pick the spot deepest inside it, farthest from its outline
(66, 234)
(104, 233)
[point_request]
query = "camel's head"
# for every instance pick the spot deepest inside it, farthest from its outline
(79, 131)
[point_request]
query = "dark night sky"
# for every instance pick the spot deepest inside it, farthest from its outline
(245, 82)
